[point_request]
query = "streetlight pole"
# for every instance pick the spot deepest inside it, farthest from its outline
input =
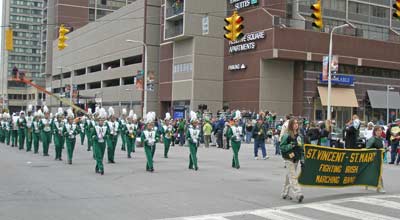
(388, 88)
(329, 112)
(70, 87)
(145, 75)
(131, 98)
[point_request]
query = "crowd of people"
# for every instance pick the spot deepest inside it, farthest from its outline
(103, 129)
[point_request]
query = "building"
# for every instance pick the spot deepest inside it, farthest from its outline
(191, 55)
(102, 66)
(73, 14)
(25, 18)
(279, 62)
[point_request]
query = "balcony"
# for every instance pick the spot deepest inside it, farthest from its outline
(174, 9)
(173, 30)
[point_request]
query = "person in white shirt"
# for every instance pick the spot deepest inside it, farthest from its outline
(368, 132)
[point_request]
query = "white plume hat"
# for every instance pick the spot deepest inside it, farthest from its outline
(60, 112)
(45, 109)
(30, 108)
(193, 116)
(167, 116)
(237, 116)
(39, 113)
(150, 117)
(131, 114)
(111, 111)
(102, 113)
(124, 112)
(70, 113)
(90, 111)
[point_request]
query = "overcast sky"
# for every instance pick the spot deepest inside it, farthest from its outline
(1, 19)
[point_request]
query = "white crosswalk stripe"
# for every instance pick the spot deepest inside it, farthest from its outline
(332, 207)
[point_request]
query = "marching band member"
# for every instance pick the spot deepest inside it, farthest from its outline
(2, 136)
(70, 131)
(58, 126)
(114, 128)
(167, 131)
(21, 124)
(14, 131)
(149, 139)
(7, 127)
(100, 135)
(130, 133)
(235, 133)
(45, 127)
(192, 136)
(28, 129)
(36, 130)
(122, 122)
(88, 130)
(82, 123)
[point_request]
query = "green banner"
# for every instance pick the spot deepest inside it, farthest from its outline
(333, 167)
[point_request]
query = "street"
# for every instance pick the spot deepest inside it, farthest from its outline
(37, 187)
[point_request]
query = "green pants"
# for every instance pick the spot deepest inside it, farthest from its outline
(7, 137)
(89, 140)
(167, 144)
(193, 156)
(70, 142)
(111, 145)
(46, 138)
(58, 143)
(28, 135)
(149, 156)
(130, 144)
(14, 137)
(2, 137)
(35, 137)
(124, 142)
(21, 138)
(99, 149)
(235, 149)
(82, 135)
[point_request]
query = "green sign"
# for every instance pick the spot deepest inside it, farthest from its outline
(333, 167)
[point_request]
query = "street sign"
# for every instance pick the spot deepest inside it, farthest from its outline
(205, 25)
(345, 80)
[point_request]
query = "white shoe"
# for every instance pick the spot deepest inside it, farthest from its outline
(264, 158)
(380, 190)
(255, 158)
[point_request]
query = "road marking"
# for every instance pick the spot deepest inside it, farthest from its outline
(379, 202)
(348, 212)
(279, 215)
(284, 213)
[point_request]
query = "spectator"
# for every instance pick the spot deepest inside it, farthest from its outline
(368, 132)
(259, 135)
(207, 129)
(325, 133)
(313, 134)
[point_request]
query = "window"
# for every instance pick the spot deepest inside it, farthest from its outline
(128, 80)
(94, 68)
(94, 85)
(182, 68)
(111, 83)
(358, 8)
(379, 12)
(132, 60)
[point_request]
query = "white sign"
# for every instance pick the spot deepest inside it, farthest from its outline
(247, 42)
(239, 4)
(205, 25)
(234, 67)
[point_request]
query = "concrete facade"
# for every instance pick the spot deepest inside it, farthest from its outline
(192, 58)
(104, 65)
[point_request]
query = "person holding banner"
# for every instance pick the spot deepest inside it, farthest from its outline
(377, 142)
(292, 152)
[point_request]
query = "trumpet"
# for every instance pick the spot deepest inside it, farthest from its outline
(132, 135)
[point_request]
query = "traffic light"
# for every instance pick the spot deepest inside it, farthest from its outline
(234, 27)
(9, 39)
(317, 15)
(396, 7)
(62, 38)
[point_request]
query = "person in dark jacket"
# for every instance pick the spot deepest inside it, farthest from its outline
(313, 134)
(352, 132)
(259, 135)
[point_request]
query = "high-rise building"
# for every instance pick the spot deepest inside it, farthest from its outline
(73, 14)
(25, 19)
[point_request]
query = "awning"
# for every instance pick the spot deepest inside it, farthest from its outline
(340, 97)
(378, 99)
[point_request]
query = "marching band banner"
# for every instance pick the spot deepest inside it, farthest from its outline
(333, 167)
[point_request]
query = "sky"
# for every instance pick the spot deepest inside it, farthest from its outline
(1, 19)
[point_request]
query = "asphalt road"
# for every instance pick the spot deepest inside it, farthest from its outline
(36, 187)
